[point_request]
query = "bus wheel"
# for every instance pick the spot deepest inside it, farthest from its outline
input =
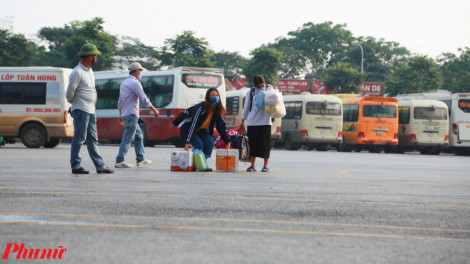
(33, 135)
(289, 144)
(388, 149)
(430, 152)
(322, 147)
(343, 147)
(54, 142)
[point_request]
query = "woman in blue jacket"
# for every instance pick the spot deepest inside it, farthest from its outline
(198, 127)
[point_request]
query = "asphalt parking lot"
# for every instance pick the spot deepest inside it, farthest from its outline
(312, 207)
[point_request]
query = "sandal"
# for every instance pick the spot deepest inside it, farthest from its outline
(265, 169)
(251, 168)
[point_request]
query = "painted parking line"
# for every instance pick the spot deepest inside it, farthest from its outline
(238, 197)
(27, 216)
(238, 230)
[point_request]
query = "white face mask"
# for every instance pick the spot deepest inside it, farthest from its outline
(139, 75)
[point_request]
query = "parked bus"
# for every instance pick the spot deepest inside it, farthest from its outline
(458, 105)
(33, 106)
(423, 126)
(169, 91)
(233, 117)
(312, 120)
(370, 123)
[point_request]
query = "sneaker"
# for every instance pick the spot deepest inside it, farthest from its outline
(105, 170)
(80, 170)
(143, 162)
(123, 165)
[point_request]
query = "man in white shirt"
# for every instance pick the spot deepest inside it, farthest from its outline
(81, 93)
(131, 93)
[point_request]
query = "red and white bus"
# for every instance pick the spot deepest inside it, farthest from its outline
(169, 91)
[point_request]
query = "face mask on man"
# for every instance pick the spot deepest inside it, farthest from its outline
(95, 61)
(214, 99)
(139, 75)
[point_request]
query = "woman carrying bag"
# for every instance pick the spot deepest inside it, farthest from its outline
(258, 122)
(198, 126)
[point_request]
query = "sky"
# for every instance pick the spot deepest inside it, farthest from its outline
(425, 27)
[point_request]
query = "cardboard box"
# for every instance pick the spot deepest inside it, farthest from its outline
(182, 161)
(227, 160)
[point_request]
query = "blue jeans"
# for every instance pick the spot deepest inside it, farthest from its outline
(203, 141)
(85, 130)
(131, 131)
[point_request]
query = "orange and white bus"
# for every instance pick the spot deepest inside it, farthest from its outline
(169, 91)
(370, 123)
(33, 106)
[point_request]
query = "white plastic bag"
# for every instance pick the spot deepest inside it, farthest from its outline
(274, 104)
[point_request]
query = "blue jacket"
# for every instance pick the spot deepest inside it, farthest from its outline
(194, 118)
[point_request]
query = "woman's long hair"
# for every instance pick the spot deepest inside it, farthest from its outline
(219, 108)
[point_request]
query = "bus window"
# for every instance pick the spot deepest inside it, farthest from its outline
(201, 80)
(403, 114)
(22, 93)
(159, 89)
(430, 113)
(293, 110)
(350, 112)
(53, 93)
(108, 93)
(323, 108)
(381, 111)
(464, 105)
(232, 105)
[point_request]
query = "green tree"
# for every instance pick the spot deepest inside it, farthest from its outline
(266, 62)
(380, 57)
(416, 75)
(343, 78)
(456, 71)
(16, 50)
(131, 50)
(64, 43)
(310, 47)
(186, 50)
(231, 62)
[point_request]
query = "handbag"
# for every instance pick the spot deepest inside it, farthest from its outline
(240, 142)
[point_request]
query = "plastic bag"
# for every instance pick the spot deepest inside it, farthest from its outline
(260, 98)
(200, 160)
(274, 103)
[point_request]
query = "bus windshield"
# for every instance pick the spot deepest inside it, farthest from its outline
(428, 113)
(201, 80)
(381, 111)
(323, 108)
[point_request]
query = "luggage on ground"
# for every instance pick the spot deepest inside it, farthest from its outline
(227, 160)
(182, 161)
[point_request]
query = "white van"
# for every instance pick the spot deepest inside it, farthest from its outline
(312, 120)
(33, 106)
(235, 102)
(458, 105)
(423, 126)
